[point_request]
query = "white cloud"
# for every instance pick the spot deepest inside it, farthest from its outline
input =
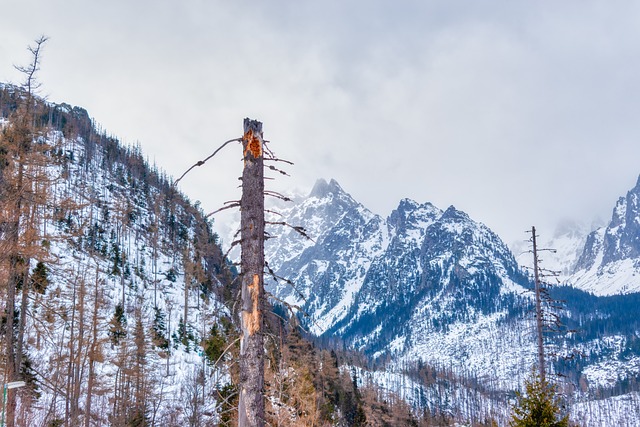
(518, 114)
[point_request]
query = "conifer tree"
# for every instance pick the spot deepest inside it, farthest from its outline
(539, 406)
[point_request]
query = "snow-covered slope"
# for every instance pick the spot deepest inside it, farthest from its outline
(610, 261)
(128, 286)
(389, 285)
(328, 269)
(431, 286)
(560, 249)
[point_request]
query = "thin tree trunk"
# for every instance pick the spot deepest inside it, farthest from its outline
(12, 369)
(79, 357)
(251, 401)
(25, 294)
(539, 320)
(92, 352)
(68, 403)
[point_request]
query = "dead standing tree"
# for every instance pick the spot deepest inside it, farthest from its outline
(21, 163)
(546, 308)
(251, 408)
(251, 400)
(539, 314)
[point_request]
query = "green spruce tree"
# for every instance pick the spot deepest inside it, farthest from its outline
(539, 407)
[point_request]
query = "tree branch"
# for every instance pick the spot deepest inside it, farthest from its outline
(202, 162)
(231, 206)
(298, 229)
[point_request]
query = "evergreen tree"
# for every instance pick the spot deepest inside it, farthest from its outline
(539, 407)
(118, 325)
(40, 278)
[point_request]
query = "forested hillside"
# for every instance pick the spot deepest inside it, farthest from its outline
(117, 278)
(121, 303)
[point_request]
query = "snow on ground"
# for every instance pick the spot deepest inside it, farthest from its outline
(504, 352)
(617, 411)
(618, 277)
(170, 373)
(608, 373)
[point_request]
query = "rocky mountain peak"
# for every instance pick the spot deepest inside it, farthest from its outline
(611, 253)
(322, 188)
(412, 214)
(452, 214)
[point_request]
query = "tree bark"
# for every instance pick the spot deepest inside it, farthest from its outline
(15, 272)
(539, 319)
(92, 351)
(251, 401)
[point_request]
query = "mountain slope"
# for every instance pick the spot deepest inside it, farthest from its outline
(610, 261)
(327, 271)
(384, 285)
(128, 285)
(434, 287)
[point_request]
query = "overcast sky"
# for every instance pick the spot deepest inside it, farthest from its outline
(519, 113)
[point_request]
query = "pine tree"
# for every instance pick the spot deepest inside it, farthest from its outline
(40, 278)
(539, 407)
(118, 325)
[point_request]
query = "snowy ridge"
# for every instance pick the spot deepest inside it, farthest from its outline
(435, 287)
(345, 238)
(376, 282)
(610, 261)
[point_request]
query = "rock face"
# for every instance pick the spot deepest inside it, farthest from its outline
(610, 261)
(434, 287)
(328, 269)
(368, 280)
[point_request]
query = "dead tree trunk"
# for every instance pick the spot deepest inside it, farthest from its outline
(251, 400)
(93, 349)
(539, 313)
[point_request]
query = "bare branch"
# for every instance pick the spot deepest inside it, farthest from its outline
(225, 352)
(273, 212)
(287, 281)
(231, 206)
(233, 244)
(296, 228)
(274, 159)
(276, 195)
(30, 70)
(288, 305)
(273, 168)
(202, 162)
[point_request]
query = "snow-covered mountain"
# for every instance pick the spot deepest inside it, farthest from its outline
(610, 261)
(328, 269)
(386, 285)
(434, 286)
(560, 249)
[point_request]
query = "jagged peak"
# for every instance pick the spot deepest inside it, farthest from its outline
(453, 213)
(322, 188)
(619, 212)
(408, 204)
